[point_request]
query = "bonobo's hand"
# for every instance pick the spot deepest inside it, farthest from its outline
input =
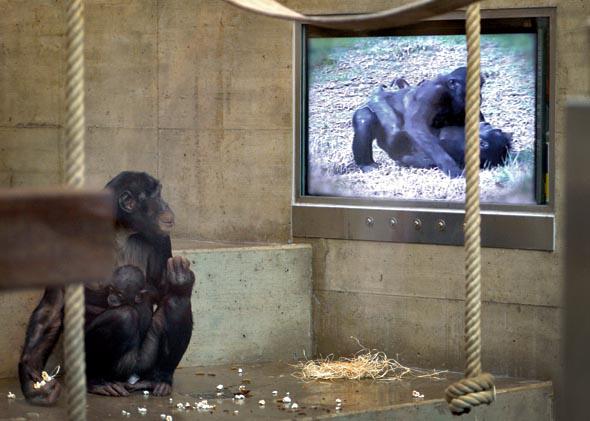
(45, 395)
(180, 277)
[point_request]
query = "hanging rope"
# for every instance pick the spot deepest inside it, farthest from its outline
(74, 171)
(476, 388)
(398, 16)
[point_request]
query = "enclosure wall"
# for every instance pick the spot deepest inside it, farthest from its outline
(199, 94)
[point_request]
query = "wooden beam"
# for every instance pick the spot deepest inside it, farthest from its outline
(395, 17)
(54, 237)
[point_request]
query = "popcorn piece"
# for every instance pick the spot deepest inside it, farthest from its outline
(125, 413)
(240, 371)
(39, 385)
(162, 416)
(146, 393)
(261, 402)
(275, 393)
(204, 405)
(242, 388)
(219, 387)
(168, 417)
(294, 406)
(170, 401)
(239, 397)
(417, 395)
(11, 395)
(286, 399)
(45, 376)
(180, 405)
(338, 401)
(236, 412)
(142, 410)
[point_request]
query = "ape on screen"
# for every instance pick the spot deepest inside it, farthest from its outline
(384, 117)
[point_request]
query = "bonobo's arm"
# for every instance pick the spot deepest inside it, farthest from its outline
(45, 326)
(171, 328)
(364, 123)
(420, 111)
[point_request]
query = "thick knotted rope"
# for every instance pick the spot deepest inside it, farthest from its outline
(75, 127)
(476, 388)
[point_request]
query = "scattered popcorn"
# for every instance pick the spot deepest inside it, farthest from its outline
(11, 395)
(294, 406)
(125, 413)
(142, 410)
(417, 394)
(261, 402)
(219, 387)
(275, 393)
(204, 405)
(146, 393)
(286, 399)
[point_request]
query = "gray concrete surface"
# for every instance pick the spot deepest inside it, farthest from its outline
(250, 304)
(361, 400)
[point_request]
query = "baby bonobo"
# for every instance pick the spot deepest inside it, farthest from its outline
(116, 352)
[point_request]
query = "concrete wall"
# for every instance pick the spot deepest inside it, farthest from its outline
(199, 94)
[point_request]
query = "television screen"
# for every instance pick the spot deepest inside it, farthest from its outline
(383, 114)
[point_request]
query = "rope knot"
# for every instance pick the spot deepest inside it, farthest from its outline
(470, 392)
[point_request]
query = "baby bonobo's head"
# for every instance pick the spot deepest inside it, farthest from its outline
(127, 286)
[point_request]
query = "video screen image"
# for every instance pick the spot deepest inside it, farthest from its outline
(385, 117)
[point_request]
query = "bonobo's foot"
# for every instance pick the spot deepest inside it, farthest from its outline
(45, 395)
(180, 277)
(107, 388)
(369, 167)
(157, 388)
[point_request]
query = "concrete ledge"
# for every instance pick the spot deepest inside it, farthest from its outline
(250, 302)
(365, 400)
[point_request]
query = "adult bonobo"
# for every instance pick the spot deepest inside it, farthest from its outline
(408, 119)
(143, 222)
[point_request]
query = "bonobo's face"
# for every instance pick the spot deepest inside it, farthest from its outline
(158, 213)
(457, 85)
(494, 145)
(140, 206)
(127, 286)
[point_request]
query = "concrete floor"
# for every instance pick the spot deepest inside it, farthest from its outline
(362, 400)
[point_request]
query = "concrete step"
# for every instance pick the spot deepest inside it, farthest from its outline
(368, 400)
(251, 303)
